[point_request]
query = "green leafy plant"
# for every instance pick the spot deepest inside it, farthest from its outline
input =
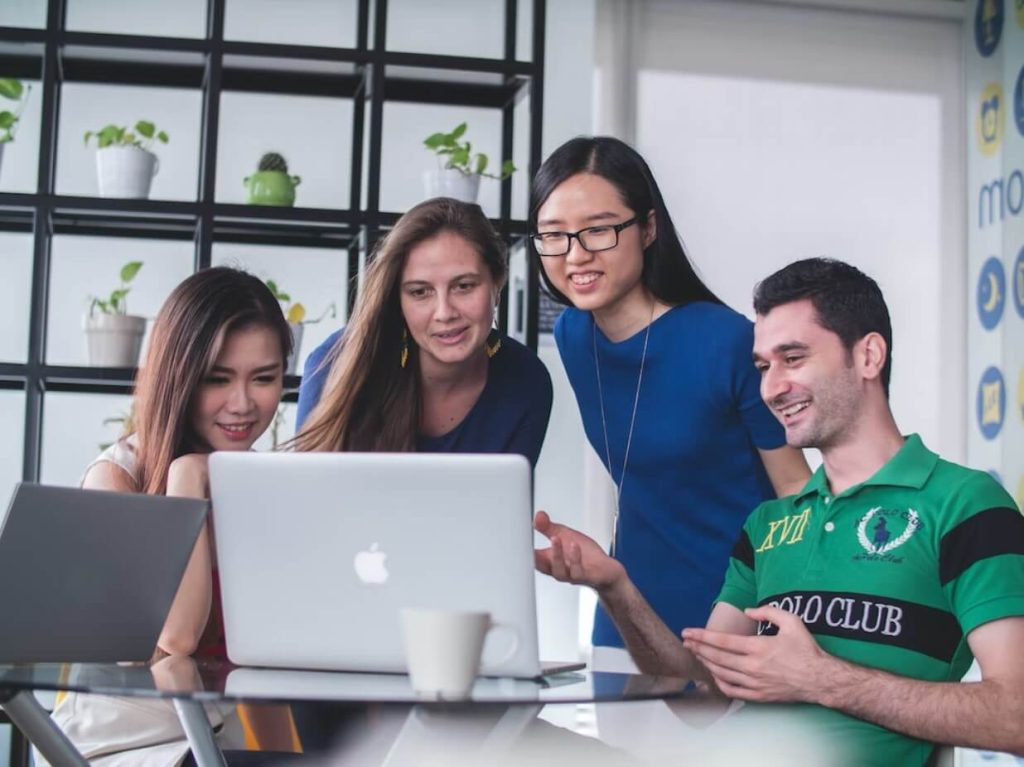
(127, 421)
(143, 136)
(12, 90)
(458, 154)
(296, 312)
(115, 304)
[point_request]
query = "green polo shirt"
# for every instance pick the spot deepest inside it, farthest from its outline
(893, 573)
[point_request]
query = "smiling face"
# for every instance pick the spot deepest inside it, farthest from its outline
(238, 398)
(447, 298)
(808, 378)
(603, 281)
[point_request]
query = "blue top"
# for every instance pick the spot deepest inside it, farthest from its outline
(511, 415)
(694, 473)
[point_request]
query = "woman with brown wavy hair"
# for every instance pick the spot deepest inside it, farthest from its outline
(419, 366)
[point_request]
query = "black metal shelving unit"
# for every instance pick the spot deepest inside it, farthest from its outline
(367, 74)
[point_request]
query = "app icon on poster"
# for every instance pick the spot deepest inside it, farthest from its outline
(991, 293)
(991, 402)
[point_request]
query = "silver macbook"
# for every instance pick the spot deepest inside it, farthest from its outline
(88, 576)
(318, 553)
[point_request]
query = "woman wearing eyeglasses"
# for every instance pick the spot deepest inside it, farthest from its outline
(663, 377)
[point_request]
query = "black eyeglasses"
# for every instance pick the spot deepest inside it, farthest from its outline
(592, 239)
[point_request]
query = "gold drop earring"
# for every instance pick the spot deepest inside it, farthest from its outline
(493, 343)
(405, 347)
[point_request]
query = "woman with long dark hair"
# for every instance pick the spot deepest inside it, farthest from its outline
(211, 379)
(419, 366)
(663, 377)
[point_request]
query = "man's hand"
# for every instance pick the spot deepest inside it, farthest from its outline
(574, 557)
(789, 666)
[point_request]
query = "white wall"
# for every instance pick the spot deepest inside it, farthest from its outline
(779, 133)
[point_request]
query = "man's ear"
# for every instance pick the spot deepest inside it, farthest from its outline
(650, 229)
(870, 354)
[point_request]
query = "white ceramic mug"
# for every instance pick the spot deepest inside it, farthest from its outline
(443, 649)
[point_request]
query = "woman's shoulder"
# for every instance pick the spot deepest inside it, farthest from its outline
(314, 362)
(326, 345)
(516, 364)
(570, 321)
(514, 356)
(713, 316)
(122, 454)
(717, 326)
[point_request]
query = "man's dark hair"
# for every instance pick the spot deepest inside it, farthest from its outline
(847, 301)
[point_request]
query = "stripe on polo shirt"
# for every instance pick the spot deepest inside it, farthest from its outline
(743, 550)
(871, 618)
(987, 534)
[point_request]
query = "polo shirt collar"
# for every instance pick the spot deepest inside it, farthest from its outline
(910, 467)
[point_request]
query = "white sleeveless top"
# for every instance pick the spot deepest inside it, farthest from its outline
(121, 454)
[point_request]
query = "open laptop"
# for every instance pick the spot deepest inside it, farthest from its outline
(88, 576)
(319, 552)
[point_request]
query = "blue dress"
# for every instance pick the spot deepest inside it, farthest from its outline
(510, 416)
(694, 473)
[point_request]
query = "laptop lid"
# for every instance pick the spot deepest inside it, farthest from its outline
(319, 552)
(88, 576)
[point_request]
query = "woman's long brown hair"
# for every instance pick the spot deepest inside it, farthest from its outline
(369, 401)
(186, 338)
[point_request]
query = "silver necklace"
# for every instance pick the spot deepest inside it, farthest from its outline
(632, 421)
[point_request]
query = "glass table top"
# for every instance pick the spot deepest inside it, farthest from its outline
(183, 677)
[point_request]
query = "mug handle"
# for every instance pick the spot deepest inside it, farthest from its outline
(156, 165)
(515, 641)
(296, 180)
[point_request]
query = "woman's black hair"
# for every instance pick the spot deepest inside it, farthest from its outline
(667, 271)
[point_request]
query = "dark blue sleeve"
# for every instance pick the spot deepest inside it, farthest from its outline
(528, 438)
(314, 375)
(764, 428)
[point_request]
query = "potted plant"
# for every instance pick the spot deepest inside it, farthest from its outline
(113, 338)
(125, 163)
(295, 313)
(12, 90)
(459, 170)
(271, 184)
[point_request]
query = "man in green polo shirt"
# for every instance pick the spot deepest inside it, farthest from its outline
(870, 591)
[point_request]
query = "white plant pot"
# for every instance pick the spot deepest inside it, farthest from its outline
(113, 340)
(448, 182)
(125, 171)
(293, 358)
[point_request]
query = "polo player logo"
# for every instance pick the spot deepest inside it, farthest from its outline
(882, 539)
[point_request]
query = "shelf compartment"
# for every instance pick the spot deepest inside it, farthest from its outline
(71, 378)
(16, 219)
(168, 67)
(110, 217)
(304, 234)
(21, 58)
(293, 77)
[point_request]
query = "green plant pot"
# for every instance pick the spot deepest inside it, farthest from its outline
(271, 187)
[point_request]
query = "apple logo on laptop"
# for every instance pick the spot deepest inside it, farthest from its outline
(370, 565)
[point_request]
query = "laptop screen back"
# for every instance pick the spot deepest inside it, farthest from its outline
(319, 552)
(89, 576)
